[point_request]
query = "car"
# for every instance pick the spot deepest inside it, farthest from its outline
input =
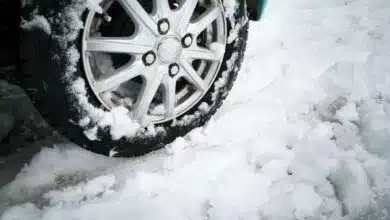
(125, 77)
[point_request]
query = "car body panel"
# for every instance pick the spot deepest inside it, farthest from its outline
(256, 9)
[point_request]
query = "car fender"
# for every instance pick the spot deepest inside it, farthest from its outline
(256, 9)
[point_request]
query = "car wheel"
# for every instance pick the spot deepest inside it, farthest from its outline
(134, 75)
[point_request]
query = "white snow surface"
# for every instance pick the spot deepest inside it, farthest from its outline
(93, 5)
(304, 134)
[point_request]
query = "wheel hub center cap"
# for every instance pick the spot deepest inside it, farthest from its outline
(169, 49)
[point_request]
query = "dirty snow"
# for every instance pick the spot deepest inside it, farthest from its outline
(304, 134)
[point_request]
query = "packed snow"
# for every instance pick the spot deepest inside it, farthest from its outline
(304, 134)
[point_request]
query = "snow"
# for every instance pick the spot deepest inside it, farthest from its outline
(230, 7)
(93, 5)
(219, 84)
(304, 134)
(98, 186)
(218, 49)
(233, 34)
(38, 22)
(121, 124)
(118, 119)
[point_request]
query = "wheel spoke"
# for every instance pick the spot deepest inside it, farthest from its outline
(153, 79)
(205, 20)
(185, 13)
(118, 45)
(138, 13)
(161, 8)
(120, 76)
(201, 53)
(193, 76)
(169, 96)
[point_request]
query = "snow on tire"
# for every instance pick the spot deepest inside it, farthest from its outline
(183, 67)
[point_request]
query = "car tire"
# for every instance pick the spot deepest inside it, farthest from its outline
(52, 65)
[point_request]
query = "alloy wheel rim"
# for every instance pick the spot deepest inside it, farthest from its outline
(169, 48)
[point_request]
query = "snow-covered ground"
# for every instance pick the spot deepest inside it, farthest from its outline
(305, 134)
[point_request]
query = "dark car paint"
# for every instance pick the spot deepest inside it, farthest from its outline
(256, 9)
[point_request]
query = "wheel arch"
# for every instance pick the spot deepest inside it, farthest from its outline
(255, 9)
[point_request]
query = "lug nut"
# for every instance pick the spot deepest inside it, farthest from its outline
(163, 26)
(187, 40)
(149, 58)
(173, 69)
